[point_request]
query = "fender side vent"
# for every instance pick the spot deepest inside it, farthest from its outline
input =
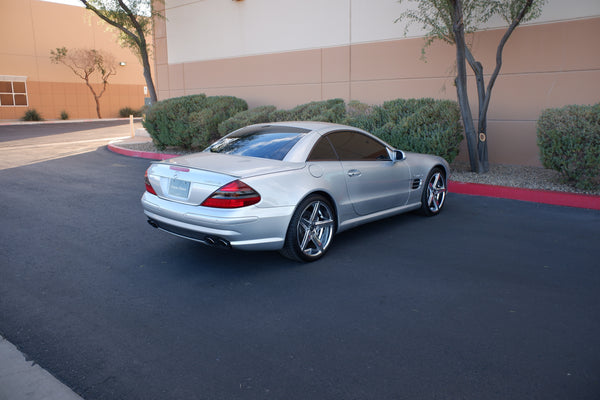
(416, 184)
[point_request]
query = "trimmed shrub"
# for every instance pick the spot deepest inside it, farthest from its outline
(64, 115)
(420, 125)
(190, 122)
(32, 115)
(569, 142)
(333, 110)
(217, 109)
(327, 111)
(125, 112)
(256, 115)
(355, 109)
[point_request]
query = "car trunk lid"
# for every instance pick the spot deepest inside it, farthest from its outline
(191, 179)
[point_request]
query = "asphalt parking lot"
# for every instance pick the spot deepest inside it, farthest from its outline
(492, 299)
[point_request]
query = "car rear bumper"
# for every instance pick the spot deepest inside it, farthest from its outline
(247, 228)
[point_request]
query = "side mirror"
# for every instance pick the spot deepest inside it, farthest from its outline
(399, 155)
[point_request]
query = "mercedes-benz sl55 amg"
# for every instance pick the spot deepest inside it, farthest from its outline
(289, 186)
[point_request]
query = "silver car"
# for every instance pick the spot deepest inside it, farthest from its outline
(289, 186)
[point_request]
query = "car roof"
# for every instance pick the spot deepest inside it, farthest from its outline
(310, 125)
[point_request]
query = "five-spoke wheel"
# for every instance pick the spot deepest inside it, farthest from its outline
(311, 230)
(434, 194)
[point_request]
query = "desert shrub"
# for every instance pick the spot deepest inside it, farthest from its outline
(355, 109)
(143, 110)
(64, 115)
(333, 110)
(216, 110)
(190, 122)
(125, 112)
(420, 125)
(569, 142)
(256, 115)
(167, 121)
(32, 115)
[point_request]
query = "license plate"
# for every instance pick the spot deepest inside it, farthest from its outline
(179, 188)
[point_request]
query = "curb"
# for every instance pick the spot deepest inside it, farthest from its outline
(532, 195)
(475, 189)
(140, 154)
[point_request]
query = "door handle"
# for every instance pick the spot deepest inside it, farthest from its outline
(354, 172)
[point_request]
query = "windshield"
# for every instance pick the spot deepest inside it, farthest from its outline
(272, 142)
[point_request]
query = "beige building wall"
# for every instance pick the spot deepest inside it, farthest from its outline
(30, 29)
(358, 53)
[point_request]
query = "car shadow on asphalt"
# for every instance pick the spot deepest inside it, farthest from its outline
(372, 243)
(192, 257)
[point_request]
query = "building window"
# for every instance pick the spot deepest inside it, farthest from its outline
(13, 91)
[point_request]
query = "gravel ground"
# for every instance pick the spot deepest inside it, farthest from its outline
(515, 176)
(499, 174)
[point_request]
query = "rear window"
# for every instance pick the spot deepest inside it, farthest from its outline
(271, 142)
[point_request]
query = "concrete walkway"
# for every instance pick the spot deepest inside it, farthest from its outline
(21, 379)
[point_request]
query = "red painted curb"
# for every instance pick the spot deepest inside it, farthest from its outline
(475, 189)
(537, 196)
(140, 154)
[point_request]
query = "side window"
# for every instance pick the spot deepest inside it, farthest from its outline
(354, 146)
(322, 151)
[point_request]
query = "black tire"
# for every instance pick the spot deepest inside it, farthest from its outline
(311, 230)
(434, 192)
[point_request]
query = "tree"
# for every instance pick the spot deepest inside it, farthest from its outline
(86, 63)
(134, 18)
(449, 21)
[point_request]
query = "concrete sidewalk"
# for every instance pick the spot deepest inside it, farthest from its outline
(21, 379)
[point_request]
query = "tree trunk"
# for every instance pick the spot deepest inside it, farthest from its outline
(148, 76)
(482, 150)
(461, 84)
(484, 94)
(98, 107)
(482, 153)
(96, 98)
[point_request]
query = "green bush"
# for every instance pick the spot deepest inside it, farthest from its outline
(190, 122)
(420, 125)
(256, 115)
(333, 110)
(569, 142)
(32, 115)
(356, 109)
(125, 112)
(64, 115)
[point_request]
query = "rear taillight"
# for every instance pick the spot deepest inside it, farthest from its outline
(149, 187)
(233, 195)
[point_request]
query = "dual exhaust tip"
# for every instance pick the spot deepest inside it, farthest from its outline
(213, 241)
(217, 242)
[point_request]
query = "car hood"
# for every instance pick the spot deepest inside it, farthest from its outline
(235, 166)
